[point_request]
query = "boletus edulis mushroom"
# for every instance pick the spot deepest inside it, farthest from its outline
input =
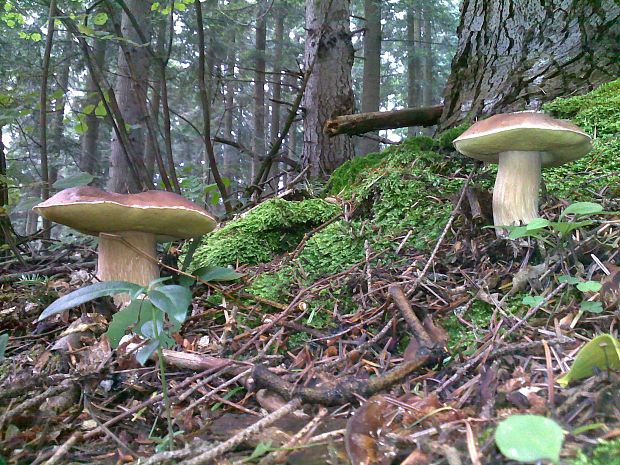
(521, 144)
(128, 226)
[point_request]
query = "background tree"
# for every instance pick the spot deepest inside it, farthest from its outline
(516, 55)
(329, 92)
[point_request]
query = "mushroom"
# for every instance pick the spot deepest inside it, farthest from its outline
(128, 226)
(521, 143)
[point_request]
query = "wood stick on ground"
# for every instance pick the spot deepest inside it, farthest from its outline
(366, 122)
(340, 392)
(64, 449)
(206, 452)
(400, 299)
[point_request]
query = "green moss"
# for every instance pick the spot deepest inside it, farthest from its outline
(606, 453)
(598, 113)
(273, 227)
(462, 337)
(444, 140)
(332, 250)
(349, 172)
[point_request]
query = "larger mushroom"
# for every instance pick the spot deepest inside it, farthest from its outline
(521, 143)
(128, 226)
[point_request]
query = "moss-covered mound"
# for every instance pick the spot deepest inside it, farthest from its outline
(273, 227)
(598, 112)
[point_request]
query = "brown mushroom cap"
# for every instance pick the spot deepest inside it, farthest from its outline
(92, 211)
(558, 141)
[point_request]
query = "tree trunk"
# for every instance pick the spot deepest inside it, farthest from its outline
(131, 88)
(329, 91)
(258, 138)
(57, 145)
(229, 104)
(414, 68)
(516, 55)
(90, 161)
(276, 96)
(427, 89)
(371, 84)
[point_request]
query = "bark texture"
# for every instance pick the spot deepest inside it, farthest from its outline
(131, 88)
(371, 84)
(329, 91)
(414, 66)
(518, 54)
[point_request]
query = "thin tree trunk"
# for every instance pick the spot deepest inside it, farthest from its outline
(130, 92)
(155, 102)
(292, 151)
(371, 84)
(229, 106)
(90, 158)
(45, 180)
(329, 92)
(58, 121)
(427, 95)
(258, 138)
(276, 96)
(414, 72)
(516, 55)
(206, 110)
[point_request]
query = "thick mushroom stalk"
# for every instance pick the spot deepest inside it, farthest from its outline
(515, 196)
(127, 256)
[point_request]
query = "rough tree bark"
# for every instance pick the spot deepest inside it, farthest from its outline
(258, 138)
(329, 92)
(131, 89)
(371, 81)
(517, 54)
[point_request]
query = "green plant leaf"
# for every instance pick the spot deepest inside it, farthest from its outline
(4, 339)
(144, 353)
(217, 273)
(100, 19)
(517, 232)
(529, 438)
(589, 286)
(568, 279)
(85, 294)
(121, 321)
(582, 208)
(537, 223)
(532, 300)
(81, 179)
(592, 307)
(152, 329)
(602, 353)
(172, 300)
(566, 228)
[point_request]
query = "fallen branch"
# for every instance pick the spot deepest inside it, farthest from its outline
(374, 121)
(340, 392)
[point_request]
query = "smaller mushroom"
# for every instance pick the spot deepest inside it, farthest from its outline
(521, 143)
(128, 226)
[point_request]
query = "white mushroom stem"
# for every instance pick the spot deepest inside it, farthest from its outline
(515, 196)
(127, 256)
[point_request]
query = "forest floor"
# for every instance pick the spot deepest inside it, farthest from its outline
(388, 325)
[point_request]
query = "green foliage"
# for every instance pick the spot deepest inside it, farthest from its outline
(605, 453)
(273, 227)
(332, 250)
(601, 353)
(463, 337)
(598, 113)
(349, 172)
(444, 140)
(529, 438)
